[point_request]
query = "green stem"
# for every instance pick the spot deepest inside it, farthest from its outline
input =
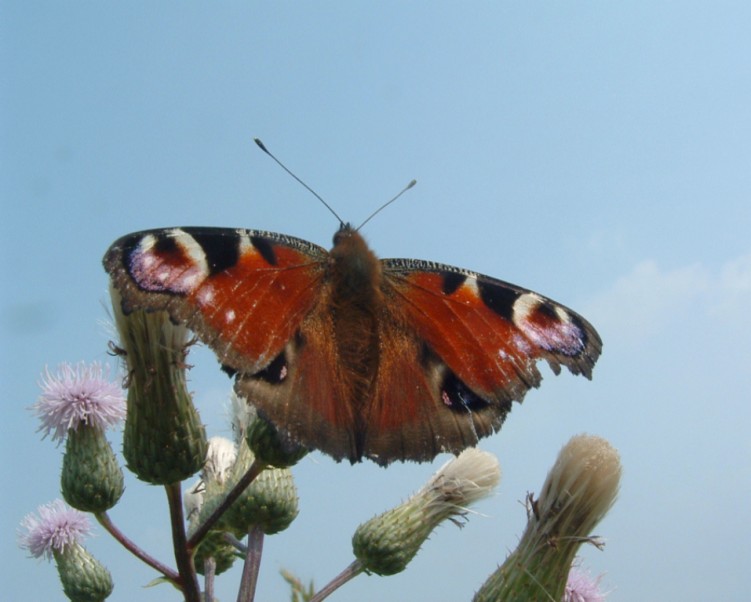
(352, 571)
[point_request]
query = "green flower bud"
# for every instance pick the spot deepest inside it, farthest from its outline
(578, 492)
(164, 440)
(272, 447)
(83, 577)
(387, 543)
(215, 546)
(269, 502)
(91, 478)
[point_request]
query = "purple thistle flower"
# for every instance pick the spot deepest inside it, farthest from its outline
(55, 527)
(581, 587)
(76, 395)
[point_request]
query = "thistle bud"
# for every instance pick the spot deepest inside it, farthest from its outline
(215, 546)
(91, 478)
(164, 440)
(578, 492)
(387, 543)
(83, 577)
(269, 502)
(271, 446)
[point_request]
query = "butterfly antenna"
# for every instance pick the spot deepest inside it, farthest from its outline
(308, 188)
(387, 203)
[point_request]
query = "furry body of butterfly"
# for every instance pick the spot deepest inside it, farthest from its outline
(393, 359)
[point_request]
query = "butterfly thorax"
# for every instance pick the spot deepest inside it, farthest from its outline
(356, 299)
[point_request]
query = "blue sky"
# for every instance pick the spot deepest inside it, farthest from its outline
(596, 152)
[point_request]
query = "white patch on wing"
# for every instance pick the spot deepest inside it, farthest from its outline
(161, 272)
(471, 285)
(244, 245)
(554, 333)
(524, 305)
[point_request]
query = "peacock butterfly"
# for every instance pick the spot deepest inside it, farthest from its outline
(392, 359)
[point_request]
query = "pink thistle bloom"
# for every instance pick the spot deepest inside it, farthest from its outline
(76, 395)
(581, 587)
(55, 527)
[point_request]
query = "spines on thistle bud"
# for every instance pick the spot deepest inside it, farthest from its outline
(577, 493)
(270, 502)
(91, 478)
(83, 577)
(270, 446)
(164, 440)
(215, 546)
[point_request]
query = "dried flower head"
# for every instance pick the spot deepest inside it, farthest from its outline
(55, 527)
(75, 395)
(577, 493)
(220, 458)
(387, 543)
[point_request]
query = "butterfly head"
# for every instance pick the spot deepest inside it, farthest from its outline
(345, 231)
(353, 263)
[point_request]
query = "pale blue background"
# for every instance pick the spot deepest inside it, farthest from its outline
(597, 152)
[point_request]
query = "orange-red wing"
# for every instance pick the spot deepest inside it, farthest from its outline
(488, 332)
(310, 398)
(244, 292)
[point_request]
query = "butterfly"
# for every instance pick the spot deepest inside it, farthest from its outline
(390, 359)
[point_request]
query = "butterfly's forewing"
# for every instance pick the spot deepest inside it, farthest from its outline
(244, 292)
(478, 340)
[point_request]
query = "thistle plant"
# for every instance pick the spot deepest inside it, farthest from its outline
(245, 489)
(56, 532)
(578, 492)
(77, 405)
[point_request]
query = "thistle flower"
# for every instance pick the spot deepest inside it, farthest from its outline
(78, 395)
(56, 532)
(581, 587)
(78, 404)
(578, 492)
(387, 543)
(55, 528)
